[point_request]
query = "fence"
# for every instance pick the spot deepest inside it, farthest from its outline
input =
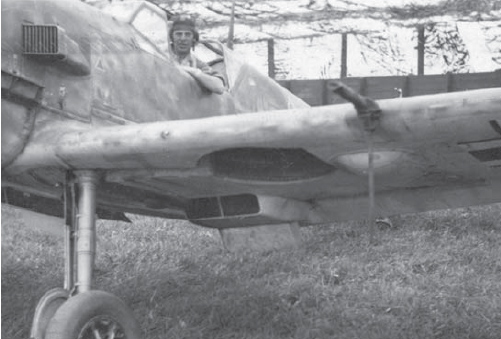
(316, 92)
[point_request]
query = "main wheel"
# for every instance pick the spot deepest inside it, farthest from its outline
(93, 315)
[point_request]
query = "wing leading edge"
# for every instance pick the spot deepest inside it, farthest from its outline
(307, 165)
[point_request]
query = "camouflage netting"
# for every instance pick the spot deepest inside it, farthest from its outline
(381, 40)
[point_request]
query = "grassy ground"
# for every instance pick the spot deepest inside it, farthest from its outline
(436, 275)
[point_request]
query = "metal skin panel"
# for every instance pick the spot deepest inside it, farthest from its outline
(146, 126)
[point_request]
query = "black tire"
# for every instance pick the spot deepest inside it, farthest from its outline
(91, 311)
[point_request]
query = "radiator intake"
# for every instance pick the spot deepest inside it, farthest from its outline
(41, 39)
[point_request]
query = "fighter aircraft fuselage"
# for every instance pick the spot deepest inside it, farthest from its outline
(67, 66)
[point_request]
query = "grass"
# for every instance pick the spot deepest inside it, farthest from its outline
(436, 275)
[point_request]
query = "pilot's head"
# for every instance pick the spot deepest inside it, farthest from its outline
(183, 35)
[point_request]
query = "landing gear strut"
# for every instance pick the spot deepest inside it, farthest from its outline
(77, 311)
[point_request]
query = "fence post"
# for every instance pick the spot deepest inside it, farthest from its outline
(449, 78)
(344, 55)
(231, 32)
(420, 50)
(271, 58)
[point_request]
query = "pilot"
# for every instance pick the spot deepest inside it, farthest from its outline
(183, 38)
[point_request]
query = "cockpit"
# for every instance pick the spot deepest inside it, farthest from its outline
(152, 23)
(250, 90)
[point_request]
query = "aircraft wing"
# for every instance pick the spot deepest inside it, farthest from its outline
(307, 165)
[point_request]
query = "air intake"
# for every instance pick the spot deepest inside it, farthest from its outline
(49, 43)
(247, 210)
(220, 207)
(41, 39)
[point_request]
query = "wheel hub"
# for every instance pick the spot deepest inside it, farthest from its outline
(102, 327)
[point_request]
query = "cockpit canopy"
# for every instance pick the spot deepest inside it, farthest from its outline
(152, 23)
(247, 86)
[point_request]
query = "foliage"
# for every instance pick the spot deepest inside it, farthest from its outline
(461, 7)
(444, 40)
(469, 6)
